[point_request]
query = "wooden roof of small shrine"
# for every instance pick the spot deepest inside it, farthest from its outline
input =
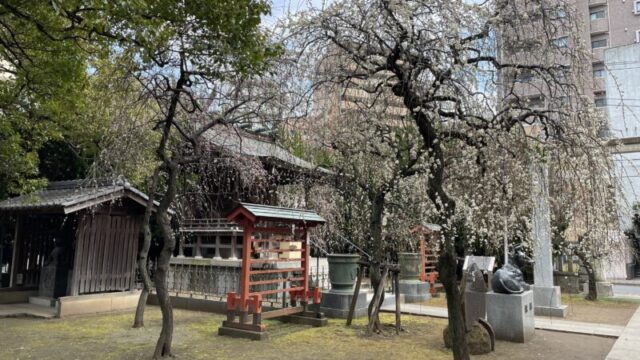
(257, 212)
(65, 197)
(426, 228)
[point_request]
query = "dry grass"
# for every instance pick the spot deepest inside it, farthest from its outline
(110, 336)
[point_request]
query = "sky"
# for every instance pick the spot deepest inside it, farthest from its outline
(281, 7)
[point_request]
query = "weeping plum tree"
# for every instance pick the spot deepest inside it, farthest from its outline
(376, 154)
(457, 68)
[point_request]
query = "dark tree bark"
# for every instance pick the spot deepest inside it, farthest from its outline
(375, 269)
(591, 275)
(447, 262)
(163, 346)
(138, 321)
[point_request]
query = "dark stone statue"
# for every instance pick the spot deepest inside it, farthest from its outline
(508, 280)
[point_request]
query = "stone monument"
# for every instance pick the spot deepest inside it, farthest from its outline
(476, 288)
(546, 295)
(510, 306)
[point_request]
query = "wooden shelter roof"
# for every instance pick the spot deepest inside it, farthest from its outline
(239, 142)
(64, 197)
(257, 212)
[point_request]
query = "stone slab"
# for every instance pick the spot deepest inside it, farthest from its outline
(511, 315)
(27, 310)
(97, 303)
(319, 320)
(16, 295)
(414, 290)
(627, 346)
(475, 306)
(42, 301)
(242, 334)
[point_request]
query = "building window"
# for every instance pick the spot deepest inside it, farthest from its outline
(558, 14)
(638, 36)
(598, 43)
(561, 42)
(636, 7)
(598, 73)
(601, 102)
(524, 76)
(597, 14)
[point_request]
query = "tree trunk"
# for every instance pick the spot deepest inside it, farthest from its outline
(446, 207)
(375, 231)
(375, 273)
(138, 321)
(591, 275)
(163, 346)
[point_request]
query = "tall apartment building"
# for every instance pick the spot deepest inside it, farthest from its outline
(610, 30)
(608, 24)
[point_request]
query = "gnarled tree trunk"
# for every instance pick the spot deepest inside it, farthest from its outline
(446, 207)
(163, 346)
(138, 321)
(375, 269)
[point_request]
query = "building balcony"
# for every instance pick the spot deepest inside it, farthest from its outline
(597, 2)
(599, 26)
(599, 85)
(598, 54)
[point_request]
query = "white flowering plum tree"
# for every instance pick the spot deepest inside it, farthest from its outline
(457, 68)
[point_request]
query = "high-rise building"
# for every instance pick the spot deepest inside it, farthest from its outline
(610, 76)
(611, 24)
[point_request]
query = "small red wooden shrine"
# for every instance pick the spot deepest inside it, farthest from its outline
(268, 233)
(429, 235)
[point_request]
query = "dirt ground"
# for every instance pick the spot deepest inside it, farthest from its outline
(111, 337)
(606, 311)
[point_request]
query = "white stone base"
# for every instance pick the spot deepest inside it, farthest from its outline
(548, 302)
(511, 316)
(603, 288)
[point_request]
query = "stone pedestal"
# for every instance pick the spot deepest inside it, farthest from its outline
(604, 288)
(475, 306)
(335, 304)
(511, 315)
(547, 301)
(414, 290)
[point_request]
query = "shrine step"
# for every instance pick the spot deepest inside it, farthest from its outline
(42, 301)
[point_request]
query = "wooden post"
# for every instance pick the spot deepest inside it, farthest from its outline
(356, 291)
(305, 265)
(396, 282)
(246, 269)
(376, 300)
(15, 252)
(423, 258)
